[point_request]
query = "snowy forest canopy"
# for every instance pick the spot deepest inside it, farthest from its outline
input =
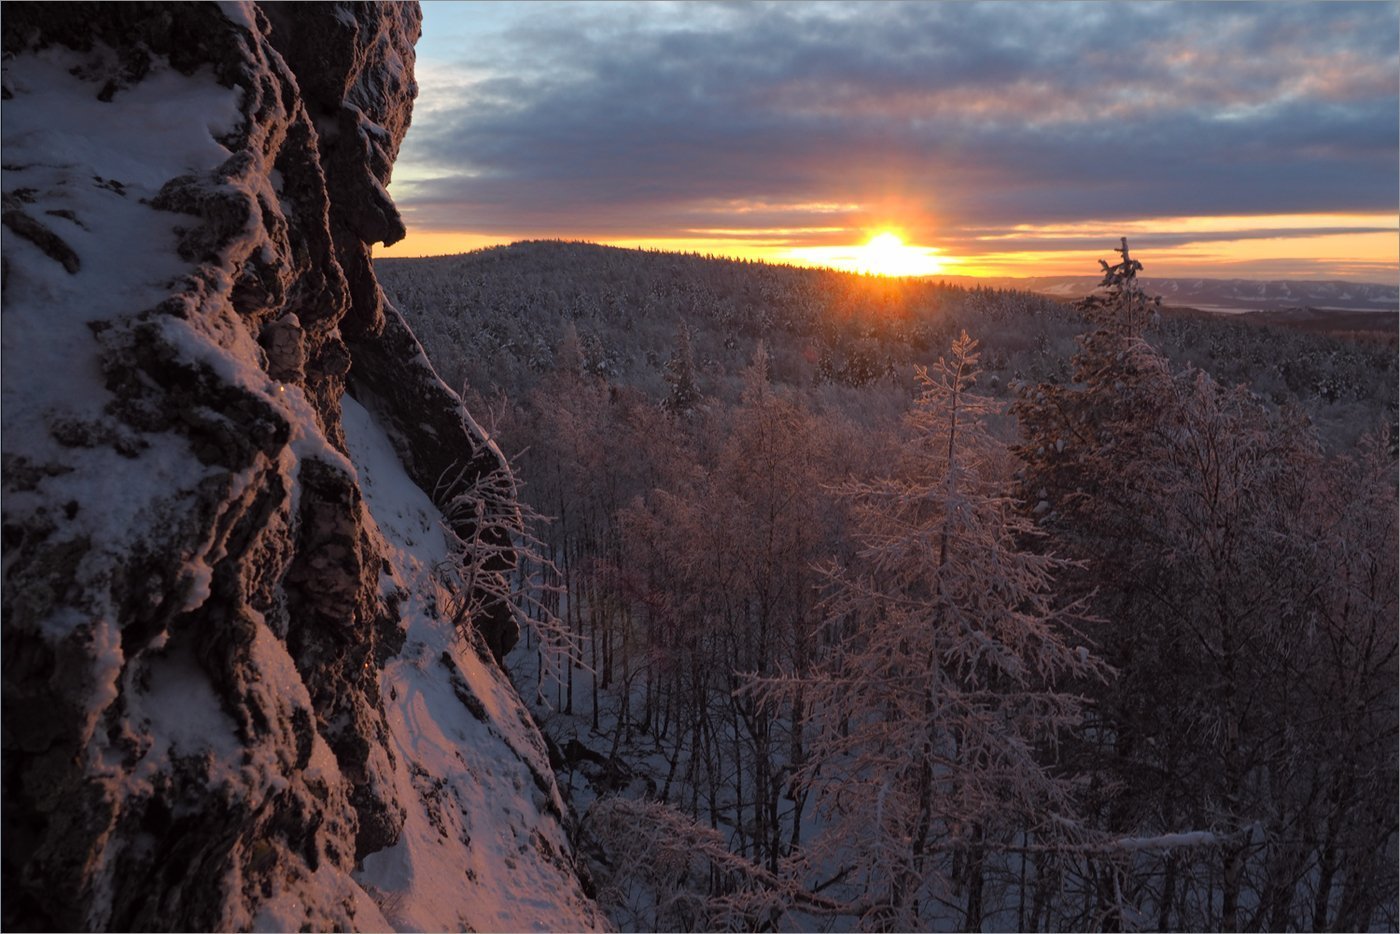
(900, 605)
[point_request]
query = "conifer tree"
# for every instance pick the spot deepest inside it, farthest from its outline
(568, 357)
(1191, 512)
(930, 714)
(684, 394)
(1127, 309)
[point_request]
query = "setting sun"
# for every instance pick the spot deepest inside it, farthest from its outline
(885, 254)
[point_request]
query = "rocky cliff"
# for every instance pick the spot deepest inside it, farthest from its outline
(232, 698)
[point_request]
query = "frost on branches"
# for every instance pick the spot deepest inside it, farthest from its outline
(496, 565)
(1245, 616)
(935, 717)
(671, 873)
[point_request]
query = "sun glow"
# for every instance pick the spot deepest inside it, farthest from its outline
(885, 254)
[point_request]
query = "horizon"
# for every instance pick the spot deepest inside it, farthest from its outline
(1146, 275)
(1226, 141)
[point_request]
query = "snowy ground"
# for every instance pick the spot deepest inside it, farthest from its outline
(644, 764)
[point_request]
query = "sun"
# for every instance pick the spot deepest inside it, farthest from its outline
(886, 254)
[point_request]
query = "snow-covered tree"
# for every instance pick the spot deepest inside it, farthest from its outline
(568, 357)
(496, 565)
(1192, 514)
(1126, 308)
(684, 394)
(935, 713)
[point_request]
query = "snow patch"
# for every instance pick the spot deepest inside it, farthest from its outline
(142, 143)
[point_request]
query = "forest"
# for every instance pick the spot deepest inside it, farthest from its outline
(888, 604)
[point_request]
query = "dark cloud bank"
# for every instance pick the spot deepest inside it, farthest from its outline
(653, 121)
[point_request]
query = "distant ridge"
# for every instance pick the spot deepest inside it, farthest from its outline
(1227, 295)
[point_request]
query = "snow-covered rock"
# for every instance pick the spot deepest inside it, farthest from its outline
(230, 699)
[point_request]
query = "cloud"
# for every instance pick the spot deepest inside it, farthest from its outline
(648, 119)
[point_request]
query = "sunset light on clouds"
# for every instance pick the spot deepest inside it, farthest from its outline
(992, 139)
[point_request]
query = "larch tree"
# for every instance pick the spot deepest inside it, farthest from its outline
(932, 714)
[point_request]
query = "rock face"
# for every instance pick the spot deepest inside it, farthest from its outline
(210, 635)
(437, 440)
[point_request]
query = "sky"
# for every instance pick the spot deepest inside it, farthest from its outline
(1255, 140)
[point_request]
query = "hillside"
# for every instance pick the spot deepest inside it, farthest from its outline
(503, 311)
(853, 595)
(494, 320)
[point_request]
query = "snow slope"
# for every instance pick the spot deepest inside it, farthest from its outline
(483, 846)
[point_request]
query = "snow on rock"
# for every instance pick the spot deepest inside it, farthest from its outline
(434, 435)
(482, 846)
(229, 699)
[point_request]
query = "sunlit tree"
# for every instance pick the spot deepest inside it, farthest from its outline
(934, 711)
(1193, 514)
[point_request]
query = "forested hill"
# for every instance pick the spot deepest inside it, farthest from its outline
(1069, 631)
(506, 309)
(495, 319)
(1229, 295)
